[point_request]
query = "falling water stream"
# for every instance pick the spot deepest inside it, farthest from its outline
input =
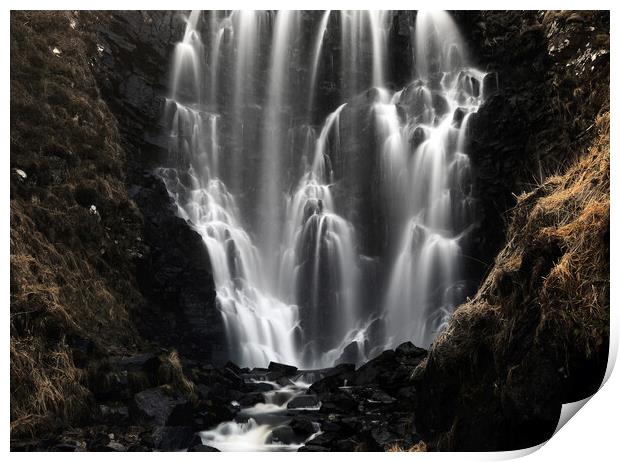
(433, 177)
(286, 258)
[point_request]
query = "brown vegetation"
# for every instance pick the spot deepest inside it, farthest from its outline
(71, 268)
(419, 447)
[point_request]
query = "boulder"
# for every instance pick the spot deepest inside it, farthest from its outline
(313, 448)
(284, 382)
(145, 362)
(260, 386)
(303, 426)
(350, 444)
(218, 382)
(338, 402)
(351, 354)
(303, 401)
(282, 369)
(213, 412)
(66, 446)
(114, 414)
(233, 367)
(250, 399)
(158, 407)
(284, 435)
(409, 354)
(174, 438)
(336, 377)
(383, 436)
(115, 446)
(98, 443)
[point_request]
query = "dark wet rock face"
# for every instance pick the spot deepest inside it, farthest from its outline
(175, 276)
(281, 369)
(541, 100)
(159, 408)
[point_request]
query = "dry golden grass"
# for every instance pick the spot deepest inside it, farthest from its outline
(419, 447)
(171, 372)
(570, 213)
(43, 384)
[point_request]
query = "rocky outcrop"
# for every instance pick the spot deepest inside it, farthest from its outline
(132, 48)
(548, 79)
(176, 277)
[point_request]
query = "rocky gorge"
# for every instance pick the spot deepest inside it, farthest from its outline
(117, 342)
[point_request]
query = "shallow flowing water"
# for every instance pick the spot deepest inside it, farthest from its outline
(253, 429)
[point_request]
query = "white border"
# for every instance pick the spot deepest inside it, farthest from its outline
(591, 436)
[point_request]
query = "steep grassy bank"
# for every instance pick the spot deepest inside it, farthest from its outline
(536, 334)
(75, 234)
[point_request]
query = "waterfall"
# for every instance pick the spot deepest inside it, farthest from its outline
(319, 262)
(316, 55)
(187, 60)
(377, 29)
(219, 30)
(264, 187)
(426, 284)
(273, 155)
(362, 31)
(260, 327)
(247, 41)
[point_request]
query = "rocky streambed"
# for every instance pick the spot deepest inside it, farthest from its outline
(149, 402)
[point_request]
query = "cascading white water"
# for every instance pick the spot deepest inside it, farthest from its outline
(379, 46)
(218, 30)
(319, 261)
(362, 31)
(433, 172)
(260, 287)
(187, 59)
(260, 327)
(316, 55)
(248, 25)
(286, 262)
(274, 133)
